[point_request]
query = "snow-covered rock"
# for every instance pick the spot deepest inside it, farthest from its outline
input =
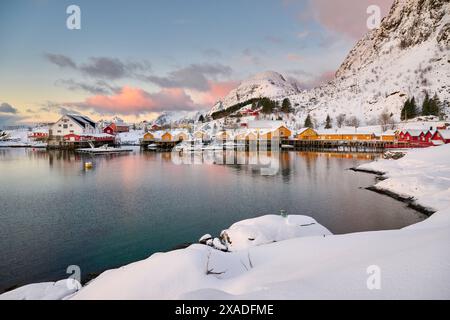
(270, 228)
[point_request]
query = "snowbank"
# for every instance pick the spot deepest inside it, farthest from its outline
(422, 174)
(131, 138)
(43, 291)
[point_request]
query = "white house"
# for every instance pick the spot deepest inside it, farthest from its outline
(73, 123)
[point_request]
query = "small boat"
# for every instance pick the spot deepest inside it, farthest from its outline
(88, 165)
(287, 146)
(152, 147)
(103, 150)
(214, 147)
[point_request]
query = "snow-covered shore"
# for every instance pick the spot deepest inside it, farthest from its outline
(274, 257)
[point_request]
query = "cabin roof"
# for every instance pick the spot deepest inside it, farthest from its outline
(444, 134)
(83, 121)
(341, 131)
(415, 132)
(265, 124)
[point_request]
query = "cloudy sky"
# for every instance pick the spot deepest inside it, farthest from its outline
(138, 58)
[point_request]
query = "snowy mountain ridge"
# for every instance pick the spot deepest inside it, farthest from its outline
(407, 55)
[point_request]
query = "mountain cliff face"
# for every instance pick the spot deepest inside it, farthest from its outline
(407, 55)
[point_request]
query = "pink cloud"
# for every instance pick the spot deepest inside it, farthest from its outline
(346, 16)
(131, 100)
(217, 91)
(294, 57)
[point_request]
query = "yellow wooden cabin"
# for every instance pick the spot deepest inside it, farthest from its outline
(223, 135)
(181, 136)
(265, 135)
(148, 136)
(201, 135)
(307, 134)
(389, 135)
(167, 137)
(281, 132)
(347, 136)
(251, 136)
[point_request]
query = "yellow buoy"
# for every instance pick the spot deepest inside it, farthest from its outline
(88, 165)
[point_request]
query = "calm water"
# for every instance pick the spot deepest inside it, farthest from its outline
(53, 213)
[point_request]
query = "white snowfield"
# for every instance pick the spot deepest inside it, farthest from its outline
(274, 257)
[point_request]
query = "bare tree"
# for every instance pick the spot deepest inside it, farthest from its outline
(384, 120)
(340, 119)
(353, 122)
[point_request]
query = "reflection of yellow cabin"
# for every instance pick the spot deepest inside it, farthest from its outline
(307, 134)
(240, 136)
(281, 132)
(265, 135)
(251, 136)
(223, 135)
(167, 137)
(181, 136)
(148, 137)
(201, 135)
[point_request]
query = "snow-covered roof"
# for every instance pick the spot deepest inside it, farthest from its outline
(160, 133)
(444, 134)
(414, 132)
(95, 135)
(345, 131)
(265, 124)
(389, 133)
(40, 130)
(301, 131)
(82, 120)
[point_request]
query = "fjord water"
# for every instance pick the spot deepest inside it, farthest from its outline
(54, 213)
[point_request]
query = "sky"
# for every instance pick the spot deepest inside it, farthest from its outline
(136, 59)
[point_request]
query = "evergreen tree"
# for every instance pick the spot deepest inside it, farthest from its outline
(328, 124)
(426, 105)
(286, 106)
(404, 113)
(308, 122)
(413, 109)
(409, 110)
(435, 105)
(201, 119)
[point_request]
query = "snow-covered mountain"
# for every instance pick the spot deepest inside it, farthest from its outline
(268, 84)
(408, 54)
(177, 117)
